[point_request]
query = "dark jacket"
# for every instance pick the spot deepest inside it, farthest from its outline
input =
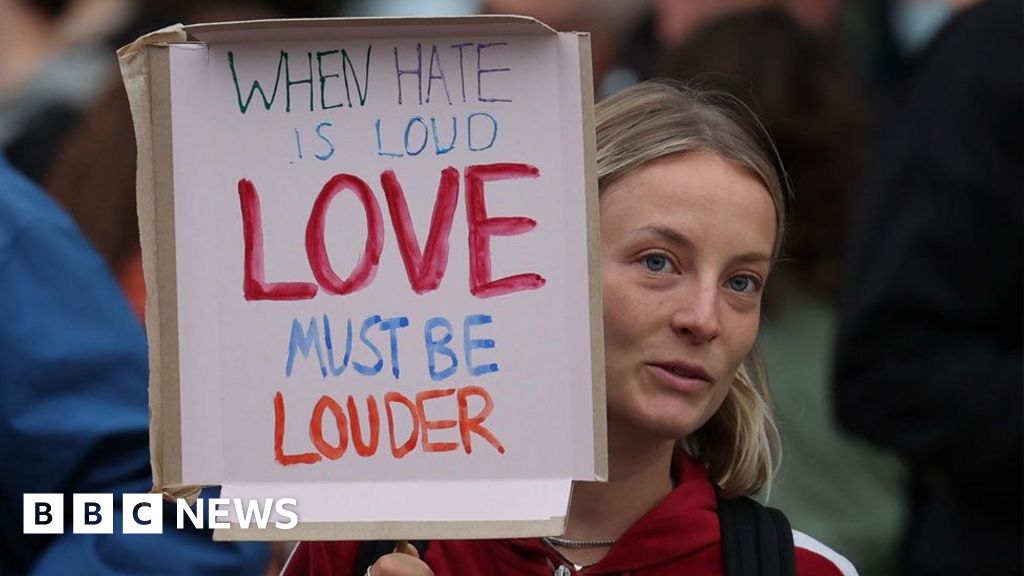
(73, 409)
(931, 338)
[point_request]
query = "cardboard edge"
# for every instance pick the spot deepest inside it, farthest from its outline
(468, 530)
(196, 31)
(132, 61)
(594, 261)
(166, 266)
(152, 191)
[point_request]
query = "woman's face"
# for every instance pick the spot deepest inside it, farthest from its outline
(687, 243)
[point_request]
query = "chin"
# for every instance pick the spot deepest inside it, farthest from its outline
(665, 421)
(675, 430)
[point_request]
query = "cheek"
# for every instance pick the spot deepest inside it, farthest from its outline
(742, 335)
(622, 332)
(618, 330)
(616, 342)
(714, 403)
(718, 396)
(741, 342)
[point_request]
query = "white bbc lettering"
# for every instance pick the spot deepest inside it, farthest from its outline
(93, 514)
(285, 507)
(43, 514)
(218, 509)
(142, 514)
(194, 513)
(249, 510)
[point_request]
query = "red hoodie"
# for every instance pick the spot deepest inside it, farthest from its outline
(679, 536)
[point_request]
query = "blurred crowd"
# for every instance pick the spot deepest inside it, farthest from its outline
(894, 326)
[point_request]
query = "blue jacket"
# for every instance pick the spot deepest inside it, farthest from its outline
(73, 403)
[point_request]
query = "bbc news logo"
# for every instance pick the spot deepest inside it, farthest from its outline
(144, 513)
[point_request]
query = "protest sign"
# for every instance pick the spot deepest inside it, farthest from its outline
(371, 249)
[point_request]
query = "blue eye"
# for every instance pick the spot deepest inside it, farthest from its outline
(655, 262)
(743, 284)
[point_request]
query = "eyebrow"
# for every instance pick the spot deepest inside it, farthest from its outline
(670, 234)
(752, 258)
(681, 240)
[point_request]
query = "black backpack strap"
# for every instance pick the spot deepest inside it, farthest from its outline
(756, 541)
(784, 541)
(371, 550)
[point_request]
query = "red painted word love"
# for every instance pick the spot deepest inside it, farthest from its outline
(425, 268)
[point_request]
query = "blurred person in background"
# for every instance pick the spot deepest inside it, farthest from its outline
(55, 58)
(73, 410)
(670, 24)
(930, 357)
(93, 176)
(676, 21)
(805, 91)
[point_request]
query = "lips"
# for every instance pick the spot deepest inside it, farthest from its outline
(682, 376)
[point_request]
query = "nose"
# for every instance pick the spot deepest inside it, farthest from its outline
(696, 316)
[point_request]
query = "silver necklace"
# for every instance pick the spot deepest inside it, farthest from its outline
(573, 543)
(553, 541)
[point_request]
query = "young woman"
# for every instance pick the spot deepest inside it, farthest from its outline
(691, 221)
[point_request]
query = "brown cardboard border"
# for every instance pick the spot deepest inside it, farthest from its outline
(148, 95)
(527, 24)
(594, 261)
(167, 384)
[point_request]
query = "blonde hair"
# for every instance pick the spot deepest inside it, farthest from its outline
(739, 445)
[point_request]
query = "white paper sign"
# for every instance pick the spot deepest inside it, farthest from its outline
(381, 256)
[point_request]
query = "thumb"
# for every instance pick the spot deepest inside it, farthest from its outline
(405, 548)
